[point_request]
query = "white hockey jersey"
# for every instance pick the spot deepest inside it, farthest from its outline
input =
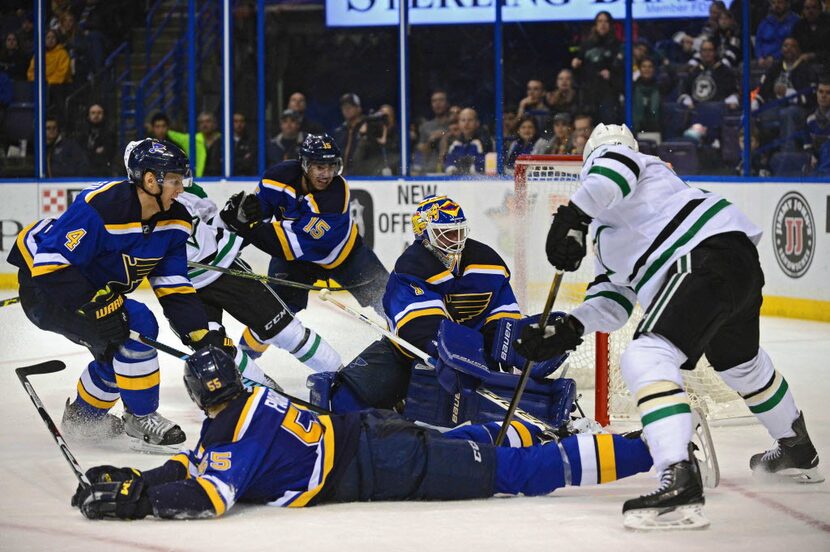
(644, 218)
(210, 242)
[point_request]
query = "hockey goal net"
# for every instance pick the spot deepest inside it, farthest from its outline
(542, 183)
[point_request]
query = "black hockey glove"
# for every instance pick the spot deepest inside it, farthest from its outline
(561, 336)
(202, 338)
(103, 474)
(565, 245)
(242, 213)
(108, 321)
(119, 499)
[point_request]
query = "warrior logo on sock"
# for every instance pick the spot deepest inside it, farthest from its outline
(793, 230)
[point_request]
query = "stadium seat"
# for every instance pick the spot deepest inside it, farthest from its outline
(23, 91)
(710, 115)
(682, 156)
(20, 123)
(674, 118)
(789, 163)
(729, 138)
(647, 147)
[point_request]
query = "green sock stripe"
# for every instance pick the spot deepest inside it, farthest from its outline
(311, 351)
(665, 412)
(773, 401)
(243, 363)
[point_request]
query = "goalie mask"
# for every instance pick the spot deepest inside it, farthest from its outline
(441, 225)
(211, 377)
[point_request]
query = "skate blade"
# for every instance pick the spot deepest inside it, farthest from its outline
(663, 519)
(139, 445)
(798, 475)
(707, 459)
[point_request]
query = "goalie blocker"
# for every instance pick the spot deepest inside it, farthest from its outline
(443, 394)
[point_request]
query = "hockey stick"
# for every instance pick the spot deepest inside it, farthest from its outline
(520, 387)
(9, 301)
(271, 279)
(150, 342)
(486, 393)
(49, 367)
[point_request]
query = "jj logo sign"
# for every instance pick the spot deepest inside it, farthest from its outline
(794, 235)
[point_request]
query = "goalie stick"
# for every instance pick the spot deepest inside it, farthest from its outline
(546, 428)
(50, 367)
(172, 351)
(520, 387)
(271, 279)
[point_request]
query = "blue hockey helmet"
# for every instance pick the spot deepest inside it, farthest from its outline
(322, 149)
(440, 223)
(211, 377)
(158, 157)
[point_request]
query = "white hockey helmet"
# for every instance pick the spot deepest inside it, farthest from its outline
(609, 134)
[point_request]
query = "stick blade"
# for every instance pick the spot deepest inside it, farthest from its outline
(48, 367)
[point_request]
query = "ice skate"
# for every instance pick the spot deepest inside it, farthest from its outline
(792, 457)
(80, 423)
(676, 504)
(153, 433)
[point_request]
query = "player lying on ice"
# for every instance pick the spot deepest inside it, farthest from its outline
(689, 257)
(257, 447)
(251, 302)
(449, 296)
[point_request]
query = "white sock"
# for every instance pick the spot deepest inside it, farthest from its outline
(307, 347)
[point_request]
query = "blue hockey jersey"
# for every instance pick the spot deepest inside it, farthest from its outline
(262, 449)
(315, 227)
(101, 240)
(421, 291)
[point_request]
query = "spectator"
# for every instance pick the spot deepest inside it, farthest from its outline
(509, 130)
(26, 34)
(563, 98)
(645, 102)
(286, 144)
(534, 103)
(759, 158)
(818, 125)
(527, 136)
(159, 129)
(58, 64)
(432, 130)
(99, 142)
(710, 28)
(244, 156)
(727, 40)
(12, 58)
(59, 7)
(710, 81)
(76, 46)
(599, 63)
(788, 82)
(579, 144)
(63, 156)
(813, 34)
(297, 103)
(453, 133)
(465, 153)
(346, 135)
(378, 151)
(560, 143)
(773, 29)
(680, 50)
(211, 137)
(583, 127)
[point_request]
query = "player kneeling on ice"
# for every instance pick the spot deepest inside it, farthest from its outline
(450, 297)
(689, 257)
(257, 447)
(74, 274)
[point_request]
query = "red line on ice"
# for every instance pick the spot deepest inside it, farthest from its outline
(774, 504)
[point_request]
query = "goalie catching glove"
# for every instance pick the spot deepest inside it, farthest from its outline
(504, 351)
(562, 336)
(108, 320)
(242, 213)
(565, 245)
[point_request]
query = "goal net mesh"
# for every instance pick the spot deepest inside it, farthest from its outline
(542, 183)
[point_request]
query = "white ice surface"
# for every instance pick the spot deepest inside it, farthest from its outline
(36, 483)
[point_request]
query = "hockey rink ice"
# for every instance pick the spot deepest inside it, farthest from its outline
(36, 483)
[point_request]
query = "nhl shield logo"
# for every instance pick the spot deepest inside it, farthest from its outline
(793, 235)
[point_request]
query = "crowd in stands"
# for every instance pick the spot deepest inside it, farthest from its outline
(687, 99)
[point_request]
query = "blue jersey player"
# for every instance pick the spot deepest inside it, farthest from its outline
(74, 274)
(257, 447)
(445, 292)
(309, 231)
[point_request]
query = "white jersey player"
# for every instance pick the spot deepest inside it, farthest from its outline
(689, 257)
(251, 302)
